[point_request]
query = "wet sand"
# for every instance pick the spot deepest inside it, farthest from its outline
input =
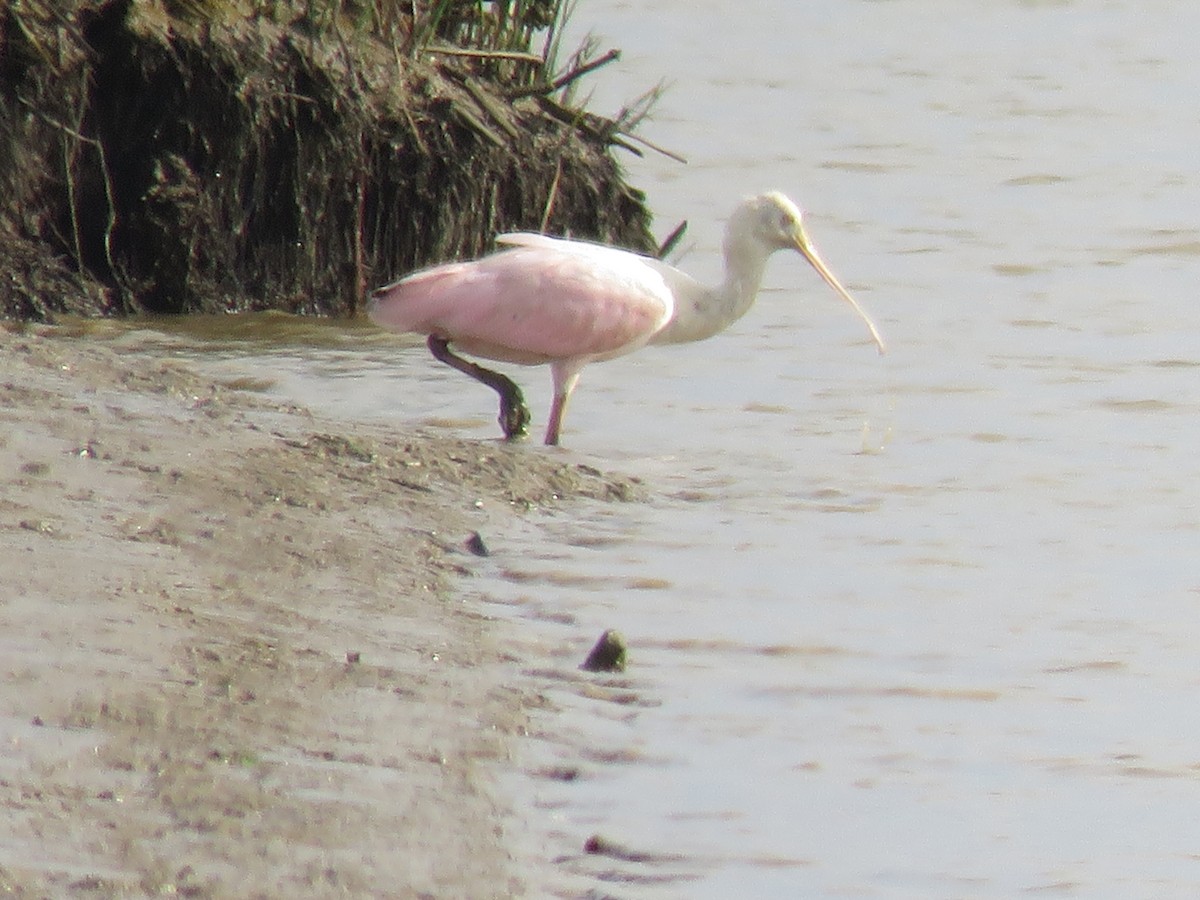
(233, 661)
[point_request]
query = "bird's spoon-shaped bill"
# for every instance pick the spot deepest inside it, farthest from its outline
(809, 252)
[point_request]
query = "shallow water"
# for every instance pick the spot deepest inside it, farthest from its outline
(921, 625)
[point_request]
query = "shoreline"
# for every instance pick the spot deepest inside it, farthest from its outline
(234, 660)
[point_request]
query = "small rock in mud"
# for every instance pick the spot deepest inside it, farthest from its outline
(608, 655)
(598, 845)
(476, 545)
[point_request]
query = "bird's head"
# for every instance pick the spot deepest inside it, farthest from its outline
(774, 222)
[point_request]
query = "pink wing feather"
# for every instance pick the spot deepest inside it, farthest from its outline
(546, 299)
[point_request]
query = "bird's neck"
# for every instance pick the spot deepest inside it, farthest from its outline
(702, 312)
(745, 262)
(721, 306)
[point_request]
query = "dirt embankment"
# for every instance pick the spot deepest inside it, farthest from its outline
(212, 155)
(230, 664)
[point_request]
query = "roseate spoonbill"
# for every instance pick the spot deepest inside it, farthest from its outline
(568, 303)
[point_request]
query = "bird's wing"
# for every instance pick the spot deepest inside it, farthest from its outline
(532, 239)
(678, 283)
(544, 300)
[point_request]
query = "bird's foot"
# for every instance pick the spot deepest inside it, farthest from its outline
(514, 417)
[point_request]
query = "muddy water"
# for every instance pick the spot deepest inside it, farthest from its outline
(924, 625)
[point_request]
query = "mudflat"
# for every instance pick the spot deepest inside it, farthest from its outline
(232, 660)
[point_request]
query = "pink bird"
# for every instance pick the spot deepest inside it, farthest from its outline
(568, 303)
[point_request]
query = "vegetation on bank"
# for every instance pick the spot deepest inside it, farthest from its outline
(177, 156)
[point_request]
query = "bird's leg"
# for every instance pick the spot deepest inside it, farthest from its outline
(514, 414)
(557, 407)
(566, 376)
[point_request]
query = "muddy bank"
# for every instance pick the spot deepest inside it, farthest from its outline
(231, 662)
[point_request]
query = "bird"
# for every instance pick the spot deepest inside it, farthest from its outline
(566, 303)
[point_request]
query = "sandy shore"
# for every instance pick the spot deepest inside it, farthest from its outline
(232, 661)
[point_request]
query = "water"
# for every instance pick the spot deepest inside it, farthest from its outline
(916, 626)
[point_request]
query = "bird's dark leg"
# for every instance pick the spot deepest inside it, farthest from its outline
(514, 414)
